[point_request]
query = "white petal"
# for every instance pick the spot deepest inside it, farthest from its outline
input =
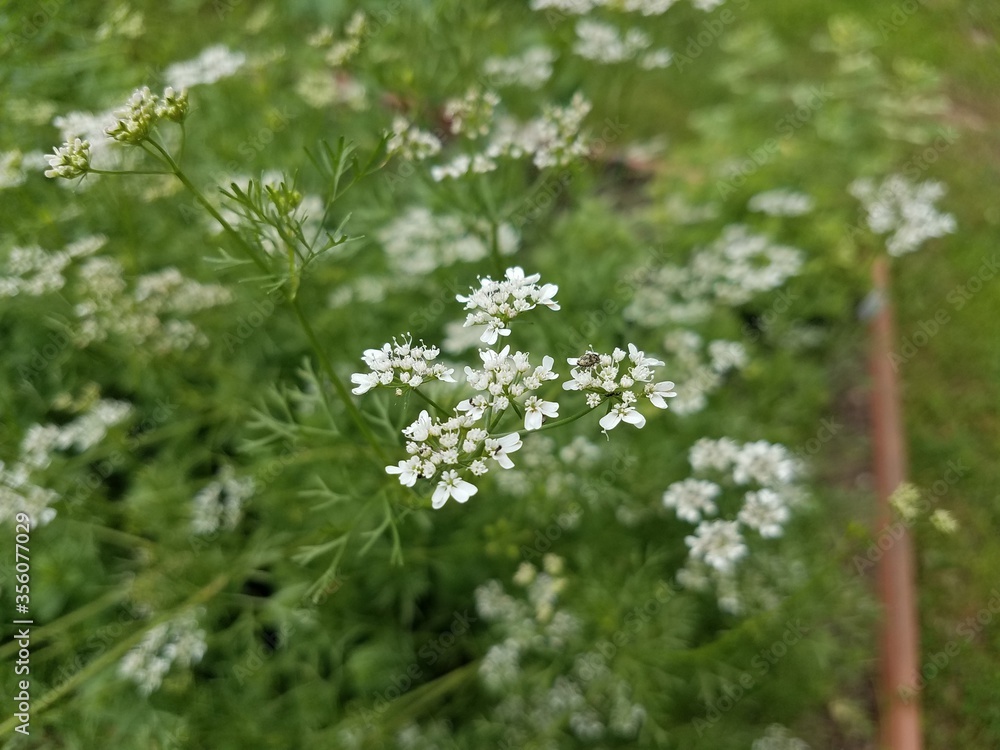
(634, 417)
(610, 420)
(463, 491)
(532, 420)
(441, 495)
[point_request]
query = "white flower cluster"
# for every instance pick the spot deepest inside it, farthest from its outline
(152, 315)
(904, 209)
(582, 7)
(604, 43)
(531, 69)
(354, 33)
(507, 377)
(32, 271)
(730, 271)
(496, 303)
(460, 444)
(765, 474)
(472, 115)
(608, 377)
(178, 641)
(134, 122)
(591, 701)
(434, 444)
(213, 64)
(554, 139)
(89, 138)
(410, 142)
(15, 167)
(699, 369)
(219, 504)
(781, 202)
(419, 241)
(70, 160)
(400, 365)
(18, 493)
(778, 737)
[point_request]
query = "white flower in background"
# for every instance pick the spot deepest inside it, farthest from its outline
(718, 544)
(410, 142)
(151, 316)
(39, 446)
(213, 64)
(707, 5)
(730, 271)
(781, 202)
(463, 165)
(764, 463)
(419, 241)
(472, 115)
(219, 504)
(496, 303)
(452, 486)
(692, 498)
(604, 43)
(713, 455)
(354, 33)
(727, 355)
(766, 511)
(905, 209)
(778, 737)
(581, 7)
(944, 521)
(400, 364)
(176, 642)
(531, 69)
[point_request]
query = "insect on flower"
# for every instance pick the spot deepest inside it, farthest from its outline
(588, 360)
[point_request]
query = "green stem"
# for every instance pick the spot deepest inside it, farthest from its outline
(113, 655)
(318, 350)
(432, 402)
(560, 422)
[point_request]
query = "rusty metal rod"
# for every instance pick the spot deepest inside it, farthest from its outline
(899, 708)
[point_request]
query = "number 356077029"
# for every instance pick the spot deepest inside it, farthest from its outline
(22, 562)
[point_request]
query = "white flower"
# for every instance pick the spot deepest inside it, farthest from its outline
(409, 470)
(498, 448)
(692, 498)
(717, 543)
(70, 160)
(452, 486)
(764, 463)
(401, 365)
(622, 413)
(781, 202)
(535, 409)
(420, 430)
(764, 511)
(656, 393)
(708, 454)
(410, 142)
(213, 64)
(496, 303)
(904, 208)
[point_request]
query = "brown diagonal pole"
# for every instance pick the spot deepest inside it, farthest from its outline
(899, 698)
